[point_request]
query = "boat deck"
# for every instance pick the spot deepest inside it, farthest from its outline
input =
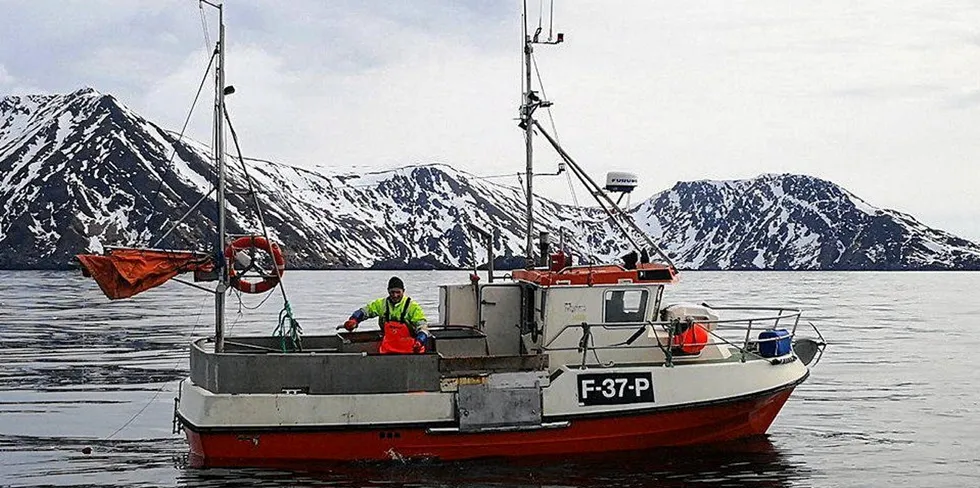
(348, 363)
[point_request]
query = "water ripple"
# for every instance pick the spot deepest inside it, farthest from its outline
(891, 403)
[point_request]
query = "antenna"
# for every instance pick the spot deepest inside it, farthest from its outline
(529, 103)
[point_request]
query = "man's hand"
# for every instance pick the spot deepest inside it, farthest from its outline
(420, 340)
(351, 324)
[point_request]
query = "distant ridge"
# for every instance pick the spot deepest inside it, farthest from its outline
(788, 221)
(80, 171)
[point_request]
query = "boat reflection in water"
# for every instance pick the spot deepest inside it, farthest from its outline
(750, 462)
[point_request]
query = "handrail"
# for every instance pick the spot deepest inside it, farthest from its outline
(766, 322)
(626, 325)
(751, 308)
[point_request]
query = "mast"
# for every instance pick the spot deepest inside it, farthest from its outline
(530, 101)
(526, 120)
(219, 151)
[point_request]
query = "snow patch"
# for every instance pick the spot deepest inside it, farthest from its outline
(95, 245)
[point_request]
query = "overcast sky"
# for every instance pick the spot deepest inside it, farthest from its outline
(881, 97)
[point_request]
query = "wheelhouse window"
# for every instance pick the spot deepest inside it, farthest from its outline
(625, 306)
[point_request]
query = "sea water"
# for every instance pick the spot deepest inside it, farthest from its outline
(87, 385)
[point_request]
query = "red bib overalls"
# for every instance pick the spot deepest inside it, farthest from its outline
(396, 335)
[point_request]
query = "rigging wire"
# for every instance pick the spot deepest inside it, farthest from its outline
(204, 25)
(617, 216)
(287, 311)
(537, 72)
(180, 137)
(475, 177)
(182, 217)
(491, 177)
(568, 175)
(540, 14)
(614, 212)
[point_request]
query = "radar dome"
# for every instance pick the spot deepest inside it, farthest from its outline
(618, 181)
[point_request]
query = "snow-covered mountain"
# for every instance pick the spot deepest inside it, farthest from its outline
(80, 171)
(793, 222)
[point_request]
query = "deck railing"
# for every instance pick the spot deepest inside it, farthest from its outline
(736, 332)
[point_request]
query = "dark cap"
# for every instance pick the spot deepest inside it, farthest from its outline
(396, 282)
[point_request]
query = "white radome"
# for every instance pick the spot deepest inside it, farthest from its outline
(619, 181)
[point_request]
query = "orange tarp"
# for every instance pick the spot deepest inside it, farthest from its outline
(122, 273)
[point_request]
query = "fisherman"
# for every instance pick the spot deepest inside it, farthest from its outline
(403, 326)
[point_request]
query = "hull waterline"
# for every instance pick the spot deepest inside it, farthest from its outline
(717, 422)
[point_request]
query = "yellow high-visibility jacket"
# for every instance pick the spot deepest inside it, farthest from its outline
(386, 311)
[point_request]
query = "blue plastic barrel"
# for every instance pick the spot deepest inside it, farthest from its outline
(774, 343)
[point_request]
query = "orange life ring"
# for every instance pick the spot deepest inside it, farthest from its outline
(257, 242)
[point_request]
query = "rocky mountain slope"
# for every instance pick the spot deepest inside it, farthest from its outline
(81, 171)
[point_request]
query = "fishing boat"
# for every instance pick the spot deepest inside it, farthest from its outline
(554, 359)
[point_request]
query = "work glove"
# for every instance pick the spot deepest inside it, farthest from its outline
(420, 340)
(351, 324)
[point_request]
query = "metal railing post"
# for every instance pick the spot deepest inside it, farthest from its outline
(745, 345)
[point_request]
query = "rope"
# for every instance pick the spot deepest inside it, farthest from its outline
(159, 390)
(287, 312)
(293, 334)
(241, 304)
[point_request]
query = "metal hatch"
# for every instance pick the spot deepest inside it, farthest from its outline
(500, 318)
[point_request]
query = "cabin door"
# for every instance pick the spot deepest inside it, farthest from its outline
(500, 318)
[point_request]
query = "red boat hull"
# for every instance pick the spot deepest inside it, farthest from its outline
(710, 423)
